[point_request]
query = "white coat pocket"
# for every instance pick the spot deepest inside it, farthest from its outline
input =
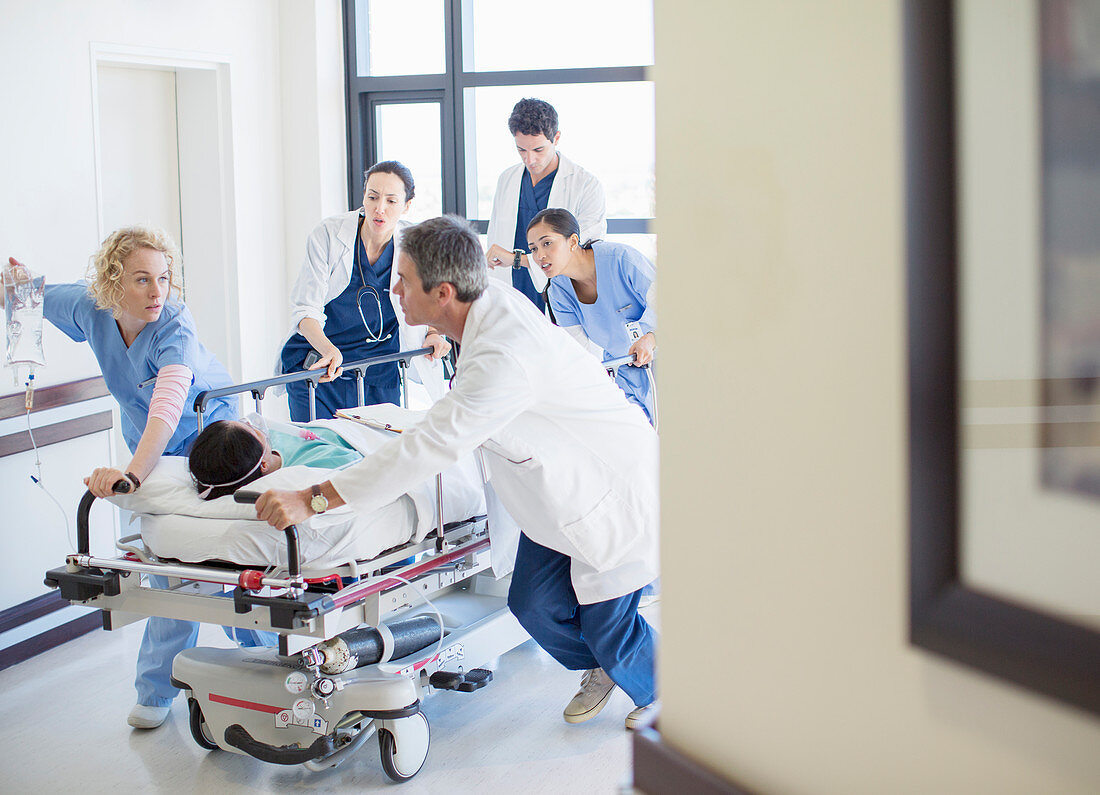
(607, 535)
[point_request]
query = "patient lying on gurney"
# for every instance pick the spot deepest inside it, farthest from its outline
(178, 523)
(228, 455)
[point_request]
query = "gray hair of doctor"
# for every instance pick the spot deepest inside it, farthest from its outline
(446, 249)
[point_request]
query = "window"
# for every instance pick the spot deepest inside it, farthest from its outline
(604, 33)
(431, 83)
(412, 133)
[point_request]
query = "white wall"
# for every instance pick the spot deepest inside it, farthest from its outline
(285, 76)
(784, 463)
(48, 209)
(314, 127)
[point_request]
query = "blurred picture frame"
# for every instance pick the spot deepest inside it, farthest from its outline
(972, 599)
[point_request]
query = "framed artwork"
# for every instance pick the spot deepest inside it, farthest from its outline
(1002, 115)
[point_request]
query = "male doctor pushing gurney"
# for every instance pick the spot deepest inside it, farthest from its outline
(572, 461)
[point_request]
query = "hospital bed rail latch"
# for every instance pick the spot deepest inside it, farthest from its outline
(285, 613)
(83, 584)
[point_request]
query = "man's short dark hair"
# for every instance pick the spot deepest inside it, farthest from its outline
(534, 117)
(446, 249)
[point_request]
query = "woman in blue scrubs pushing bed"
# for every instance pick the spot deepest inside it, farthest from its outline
(154, 365)
(599, 291)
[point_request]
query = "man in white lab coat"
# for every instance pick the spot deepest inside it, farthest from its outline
(571, 460)
(544, 178)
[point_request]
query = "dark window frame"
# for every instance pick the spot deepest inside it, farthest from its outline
(449, 88)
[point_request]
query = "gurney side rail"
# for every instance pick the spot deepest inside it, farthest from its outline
(258, 388)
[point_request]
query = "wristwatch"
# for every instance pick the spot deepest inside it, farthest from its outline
(519, 252)
(318, 502)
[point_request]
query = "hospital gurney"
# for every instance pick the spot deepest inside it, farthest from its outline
(359, 643)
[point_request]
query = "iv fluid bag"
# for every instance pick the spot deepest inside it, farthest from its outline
(24, 292)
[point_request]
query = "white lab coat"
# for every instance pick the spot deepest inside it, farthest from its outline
(574, 189)
(568, 457)
(326, 272)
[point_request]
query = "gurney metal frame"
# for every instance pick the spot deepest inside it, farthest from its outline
(284, 708)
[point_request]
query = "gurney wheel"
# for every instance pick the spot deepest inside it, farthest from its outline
(199, 730)
(403, 756)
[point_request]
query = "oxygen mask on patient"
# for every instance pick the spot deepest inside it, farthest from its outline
(24, 292)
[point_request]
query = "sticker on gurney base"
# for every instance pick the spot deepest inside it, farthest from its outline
(287, 718)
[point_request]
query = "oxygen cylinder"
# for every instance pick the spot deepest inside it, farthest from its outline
(364, 645)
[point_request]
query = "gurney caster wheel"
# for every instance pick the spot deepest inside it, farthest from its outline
(199, 730)
(403, 744)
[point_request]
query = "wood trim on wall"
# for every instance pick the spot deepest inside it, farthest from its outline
(50, 397)
(58, 432)
(28, 611)
(51, 638)
(660, 769)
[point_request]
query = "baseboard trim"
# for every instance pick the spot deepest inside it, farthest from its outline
(25, 612)
(51, 638)
(662, 770)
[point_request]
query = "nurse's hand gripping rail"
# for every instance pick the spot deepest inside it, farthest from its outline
(328, 686)
(613, 365)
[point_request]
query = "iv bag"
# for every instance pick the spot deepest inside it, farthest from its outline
(23, 295)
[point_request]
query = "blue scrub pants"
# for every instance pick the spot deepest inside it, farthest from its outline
(164, 638)
(609, 635)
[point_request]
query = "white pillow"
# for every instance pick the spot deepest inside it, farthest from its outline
(169, 489)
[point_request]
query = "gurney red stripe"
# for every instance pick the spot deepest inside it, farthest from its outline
(236, 702)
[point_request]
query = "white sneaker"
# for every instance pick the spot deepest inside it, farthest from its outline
(143, 717)
(640, 717)
(596, 689)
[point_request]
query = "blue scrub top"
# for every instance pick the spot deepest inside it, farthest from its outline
(344, 325)
(532, 199)
(171, 339)
(623, 278)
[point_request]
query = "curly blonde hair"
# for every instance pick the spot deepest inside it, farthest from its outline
(105, 273)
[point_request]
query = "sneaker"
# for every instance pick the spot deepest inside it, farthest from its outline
(596, 688)
(143, 717)
(641, 717)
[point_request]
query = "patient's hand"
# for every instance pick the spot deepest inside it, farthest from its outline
(281, 509)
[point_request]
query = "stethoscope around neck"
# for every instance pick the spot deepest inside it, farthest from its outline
(372, 336)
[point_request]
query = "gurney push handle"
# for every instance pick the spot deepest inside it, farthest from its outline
(238, 736)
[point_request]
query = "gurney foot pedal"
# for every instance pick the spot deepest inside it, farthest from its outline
(466, 682)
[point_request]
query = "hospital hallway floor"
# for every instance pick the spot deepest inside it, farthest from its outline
(63, 721)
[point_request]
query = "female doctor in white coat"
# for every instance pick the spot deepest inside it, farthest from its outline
(342, 307)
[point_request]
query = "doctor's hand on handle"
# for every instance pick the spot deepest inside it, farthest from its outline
(331, 360)
(281, 509)
(438, 343)
(643, 349)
